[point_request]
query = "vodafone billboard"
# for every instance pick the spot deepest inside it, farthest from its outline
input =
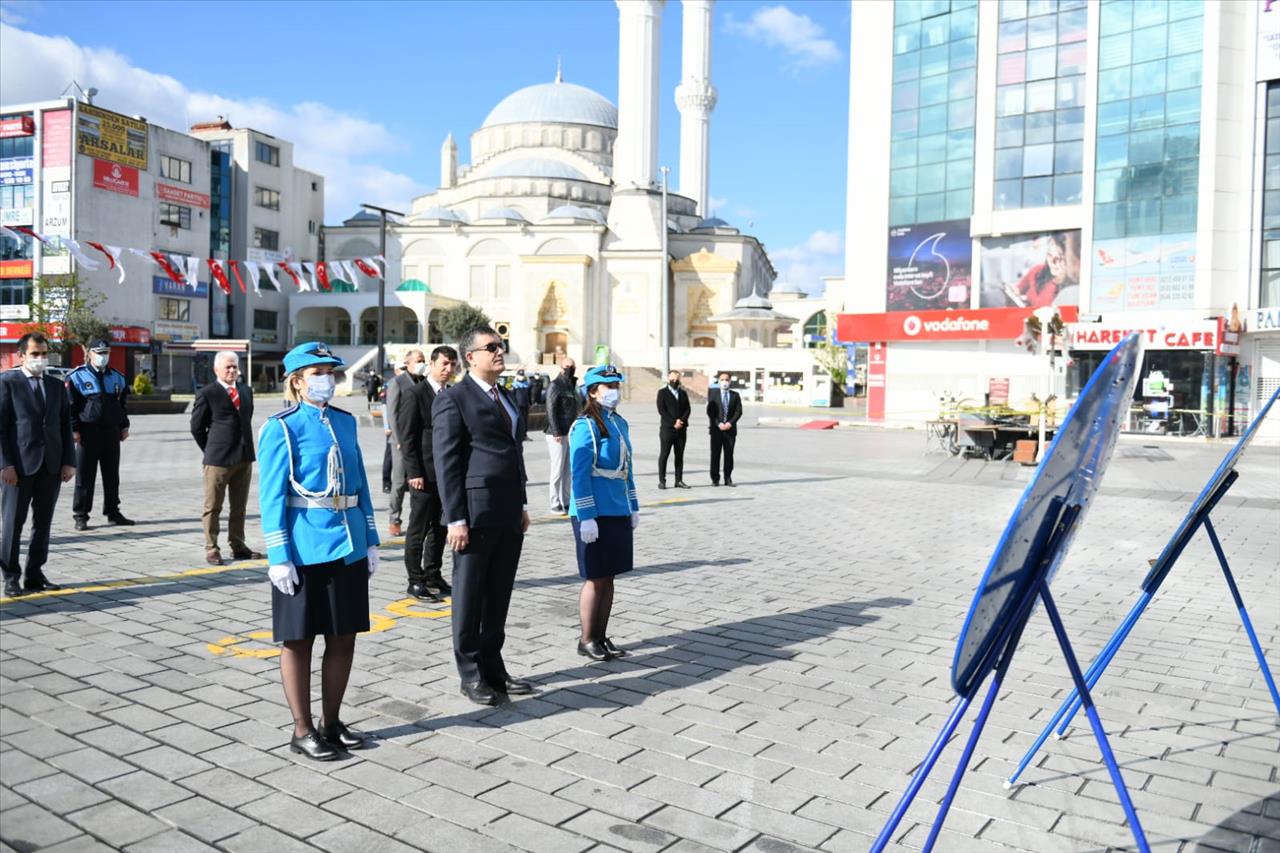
(977, 325)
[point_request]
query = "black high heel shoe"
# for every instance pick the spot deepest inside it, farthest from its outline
(612, 649)
(594, 650)
(341, 737)
(313, 746)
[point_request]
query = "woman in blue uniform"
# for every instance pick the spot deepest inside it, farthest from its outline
(322, 544)
(604, 509)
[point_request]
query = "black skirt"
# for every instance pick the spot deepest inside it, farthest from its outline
(610, 554)
(333, 599)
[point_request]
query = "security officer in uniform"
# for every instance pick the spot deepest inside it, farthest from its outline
(522, 396)
(99, 422)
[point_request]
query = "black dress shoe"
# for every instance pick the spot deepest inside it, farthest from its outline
(41, 584)
(661, 484)
(338, 735)
(313, 746)
(438, 585)
(681, 484)
(729, 482)
(120, 520)
(513, 686)
(594, 650)
(420, 592)
(12, 589)
(612, 649)
(82, 524)
(715, 482)
(480, 693)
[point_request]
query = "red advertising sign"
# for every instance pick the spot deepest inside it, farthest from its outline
(164, 192)
(55, 144)
(877, 354)
(1228, 340)
(17, 126)
(114, 177)
(10, 332)
(136, 335)
(977, 325)
(1196, 335)
(16, 269)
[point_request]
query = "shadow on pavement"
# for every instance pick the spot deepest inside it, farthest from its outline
(668, 662)
(1255, 819)
(129, 591)
(655, 569)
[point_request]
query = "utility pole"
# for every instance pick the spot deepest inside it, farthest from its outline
(382, 284)
(666, 268)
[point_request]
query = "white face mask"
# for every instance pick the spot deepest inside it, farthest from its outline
(420, 369)
(36, 365)
(320, 387)
(99, 360)
(609, 398)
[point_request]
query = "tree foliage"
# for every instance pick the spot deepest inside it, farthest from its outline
(63, 300)
(456, 321)
(834, 359)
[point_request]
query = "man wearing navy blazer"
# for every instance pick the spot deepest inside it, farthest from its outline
(724, 410)
(37, 456)
(479, 462)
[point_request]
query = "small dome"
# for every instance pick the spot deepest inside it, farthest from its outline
(754, 300)
(534, 167)
(438, 214)
(554, 103)
(787, 287)
(575, 213)
(363, 217)
(713, 222)
(509, 214)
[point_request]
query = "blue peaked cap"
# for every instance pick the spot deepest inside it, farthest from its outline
(309, 354)
(602, 373)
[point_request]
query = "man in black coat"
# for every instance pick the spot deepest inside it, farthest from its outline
(563, 405)
(673, 413)
(424, 540)
(37, 456)
(222, 423)
(480, 470)
(724, 409)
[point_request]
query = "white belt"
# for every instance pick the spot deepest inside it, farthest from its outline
(335, 502)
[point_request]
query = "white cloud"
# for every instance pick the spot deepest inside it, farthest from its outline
(9, 14)
(821, 254)
(344, 148)
(802, 40)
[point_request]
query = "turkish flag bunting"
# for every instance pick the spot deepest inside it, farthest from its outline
(235, 271)
(220, 275)
(293, 275)
(163, 263)
(113, 257)
(74, 248)
(322, 276)
(22, 229)
(367, 267)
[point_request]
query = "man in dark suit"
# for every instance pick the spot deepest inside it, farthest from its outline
(480, 470)
(415, 367)
(673, 412)
(37, 455)
(724, 409)
(424, 541)
(222, 423)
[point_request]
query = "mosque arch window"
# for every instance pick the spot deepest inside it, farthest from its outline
(477, 278)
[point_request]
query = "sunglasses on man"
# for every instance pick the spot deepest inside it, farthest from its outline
(491, 347)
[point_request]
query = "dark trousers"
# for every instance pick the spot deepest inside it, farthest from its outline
(98, 448)
(671, 439)
(722, 441)
(36, 493)
(386, 467)
(424, 541)
(483, 575)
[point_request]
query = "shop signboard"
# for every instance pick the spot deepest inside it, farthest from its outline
(1228, 338)
(178, 195)
(105, 135)
(983, 324)
(22, 268)
(930, 266)
(55, 143)
(1266, 320)
(166, 286)
(998, 391)
(877, 354)
(10, 332)
(17, 126)
(175, 332)
(136, 336)
(17, 171)
(1268, 39)
(1030, 270)
(1192, 335)
(1144, 273)
(115, 178)
(15, 312)
(17, 216)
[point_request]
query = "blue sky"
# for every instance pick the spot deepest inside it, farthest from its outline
(368, 91)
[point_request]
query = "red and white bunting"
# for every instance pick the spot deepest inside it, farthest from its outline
(235, 271)
(112, 254)
(271, 276)
(160, 260)
(81, 258)
(193, 271)
(368, 266)
(288, 270)
(299, 275)
(353, 273)
(219, 275)
(254, 275)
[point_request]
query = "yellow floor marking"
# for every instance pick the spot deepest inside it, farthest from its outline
(231, 645)
(407, 607)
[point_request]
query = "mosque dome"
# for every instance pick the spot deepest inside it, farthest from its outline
(363, 217)
(502, 214)
(438, 214)
(535, 167)
(573, 213)
(711, 223)
(554, 103)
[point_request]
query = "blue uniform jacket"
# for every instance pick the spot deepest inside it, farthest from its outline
(594, 495)
(311, 535)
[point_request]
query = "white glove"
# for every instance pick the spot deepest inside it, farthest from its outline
(589, 531)
(284, 576)
(372, 556)
(635, 520)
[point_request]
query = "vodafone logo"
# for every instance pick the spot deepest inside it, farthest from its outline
(911, 326)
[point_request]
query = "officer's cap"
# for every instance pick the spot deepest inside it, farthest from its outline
(602, 373)
(100, 345)
(309, 354)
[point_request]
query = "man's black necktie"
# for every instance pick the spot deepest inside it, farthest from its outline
(506, 418)
(38, 390)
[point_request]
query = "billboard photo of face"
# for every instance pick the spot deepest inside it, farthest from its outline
(930, 266)
(1031, 270)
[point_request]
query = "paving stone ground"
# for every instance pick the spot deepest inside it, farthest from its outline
(791, 642)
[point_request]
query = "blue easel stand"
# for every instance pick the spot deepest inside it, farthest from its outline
(1067, 711)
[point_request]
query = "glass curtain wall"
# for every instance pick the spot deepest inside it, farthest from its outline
(1270, 291)
(935, 60)
(1040, 102)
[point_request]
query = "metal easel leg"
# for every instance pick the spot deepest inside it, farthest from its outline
(1244, 616)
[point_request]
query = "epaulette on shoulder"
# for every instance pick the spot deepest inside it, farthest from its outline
(286, 412)
(334, 408)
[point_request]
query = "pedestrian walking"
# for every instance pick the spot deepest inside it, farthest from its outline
(563, 406)
(724, 409)
(415, 367)
(425, 537)
(37, 456)
(480, 470)
(322, 544)
(99, 423)
(605, 510)
(222, 424)
(673, 429)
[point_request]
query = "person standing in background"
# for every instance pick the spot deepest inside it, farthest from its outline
(99, 423)
(563, 406)
(673, 429)
(415, 367)
(724, 409)
(521, 395)
(36, 457)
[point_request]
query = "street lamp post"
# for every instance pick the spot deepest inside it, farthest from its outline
(665, 301)
(382, 283)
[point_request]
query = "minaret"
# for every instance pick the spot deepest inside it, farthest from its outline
(696, 98)
(448, 163)
(635, 153)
